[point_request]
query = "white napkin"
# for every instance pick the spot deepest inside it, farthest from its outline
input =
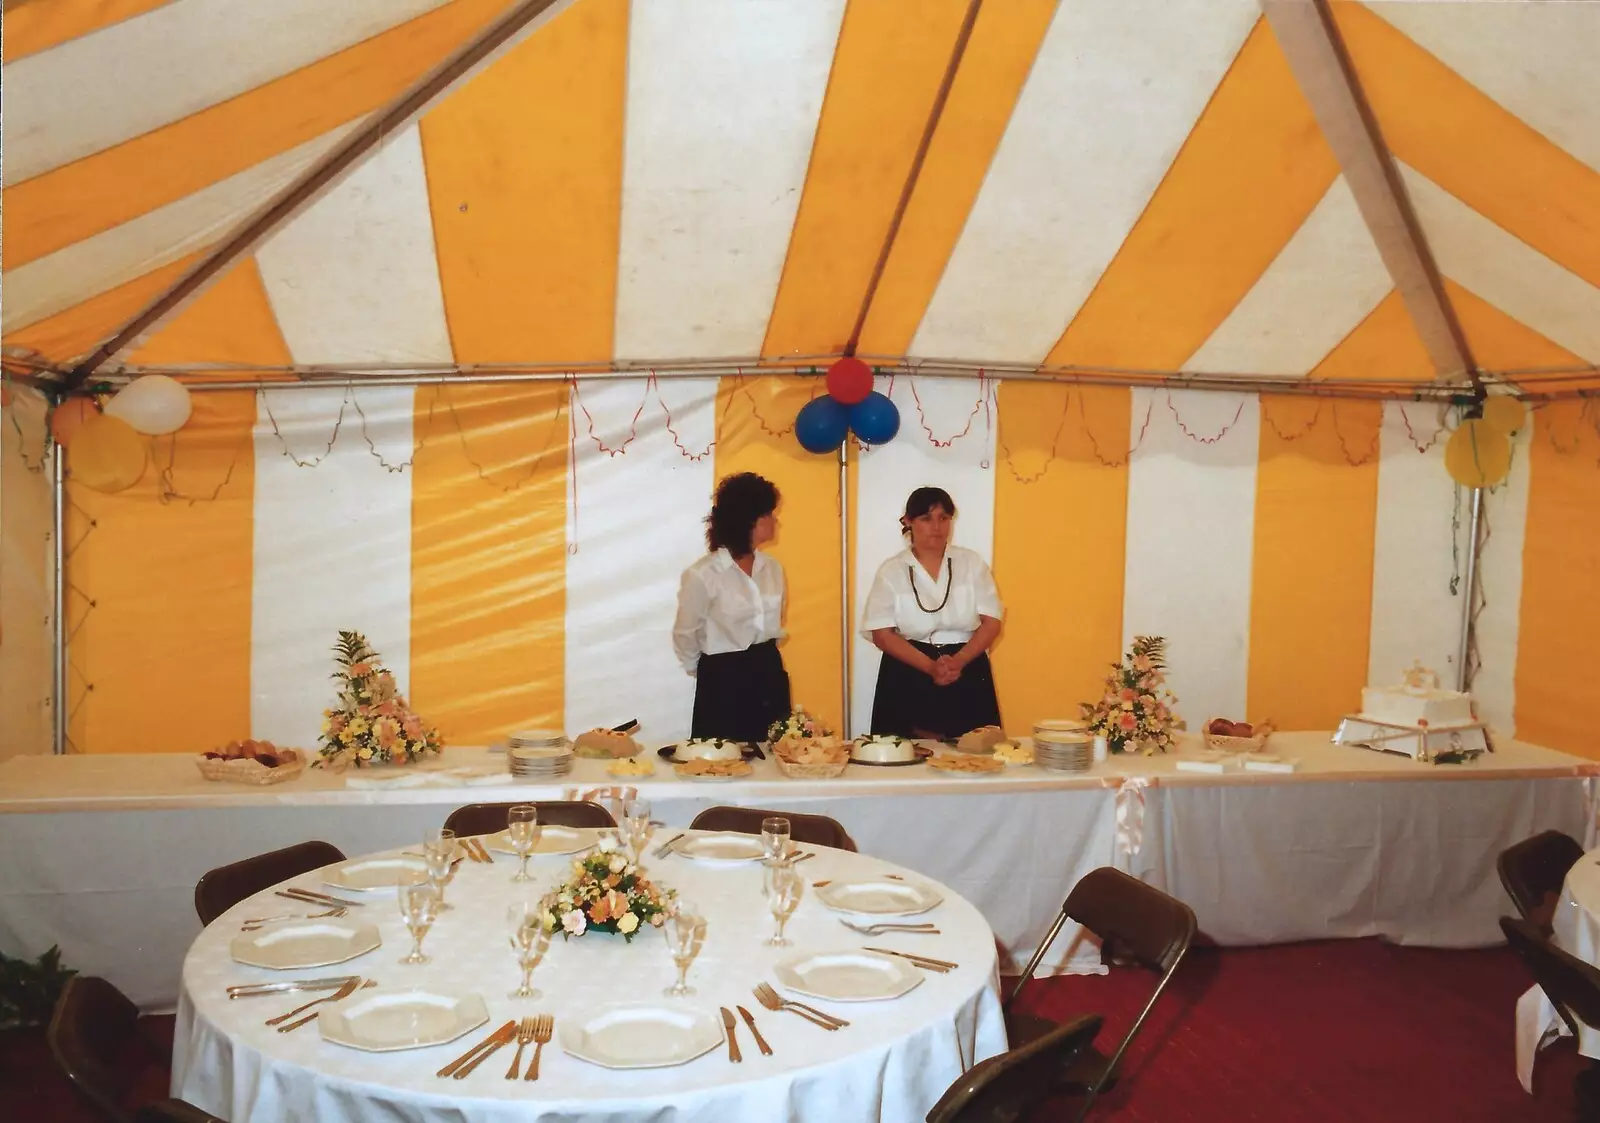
(1538, 1024)
(1270, 764)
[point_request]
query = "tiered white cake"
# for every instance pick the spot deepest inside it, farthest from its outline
(1418, 701)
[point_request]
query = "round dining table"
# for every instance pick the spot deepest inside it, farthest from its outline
(892, 1062)
(1576, 929)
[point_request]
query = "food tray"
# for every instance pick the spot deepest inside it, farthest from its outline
(243, 770)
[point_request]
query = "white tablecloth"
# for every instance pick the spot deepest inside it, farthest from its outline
(892, 1063)
(1355, 843)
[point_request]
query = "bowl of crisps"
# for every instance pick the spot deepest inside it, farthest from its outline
(812, 758)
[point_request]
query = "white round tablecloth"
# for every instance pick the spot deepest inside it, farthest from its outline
(1577, 930)
(892, 1063)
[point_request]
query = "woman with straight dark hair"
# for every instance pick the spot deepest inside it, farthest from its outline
(933, 611)
(730, 617)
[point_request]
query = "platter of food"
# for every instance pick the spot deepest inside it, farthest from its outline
(711, 770)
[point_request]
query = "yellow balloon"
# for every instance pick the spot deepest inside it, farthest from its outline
(1477, 454)
(1505, 413)
(106, 454)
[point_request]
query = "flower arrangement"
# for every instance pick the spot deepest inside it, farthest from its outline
(607, 893)
(1136, 710)
(372, 722)
(798, 725)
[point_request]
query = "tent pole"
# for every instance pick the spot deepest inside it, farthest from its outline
(844, 588)
(58, 597)
(1469, 615)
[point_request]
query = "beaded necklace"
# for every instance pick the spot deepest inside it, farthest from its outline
(949, 583)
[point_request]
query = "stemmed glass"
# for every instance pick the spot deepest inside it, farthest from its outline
(775, 846)
(684, 929)
(419, 905)
(783, 896)
(530, 938)
(636, 827)
(522, 824)
(438, 853)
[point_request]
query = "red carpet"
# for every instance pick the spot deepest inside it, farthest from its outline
(1347, 1031)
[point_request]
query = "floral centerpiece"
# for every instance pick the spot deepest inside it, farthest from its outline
(799, 725)
(607, 893)
(372, 722)
(1136, 710)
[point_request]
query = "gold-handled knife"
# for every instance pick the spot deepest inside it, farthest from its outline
(306, 895)
(499, 1036)
(733, 1035)
(927, 964)
(761, 1042)
(255, 990)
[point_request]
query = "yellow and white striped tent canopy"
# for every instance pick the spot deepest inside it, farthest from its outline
(1111, 185)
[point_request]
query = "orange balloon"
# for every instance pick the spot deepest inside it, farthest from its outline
(1505, 413)
(68, 417)
(1477, 454)
(107, 454)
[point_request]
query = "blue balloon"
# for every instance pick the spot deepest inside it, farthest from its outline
(821, 423)
(875, 419)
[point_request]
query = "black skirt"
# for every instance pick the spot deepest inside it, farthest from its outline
(738, 695)
(909, 703)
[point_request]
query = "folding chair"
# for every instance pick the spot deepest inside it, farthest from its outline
(490, 818)
(1005, 1088)
(219, 890)
(1533, 872)
(808, 830)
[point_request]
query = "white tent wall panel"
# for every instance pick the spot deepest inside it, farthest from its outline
(1191, 506)
(886, 475)
(353, 278)
(1065, 186)
(710, 188)
(331, 547)
(636, 522)
(139, 74)
(1414, 614)
(1506, 510)
(1315, 292)
(26, 578)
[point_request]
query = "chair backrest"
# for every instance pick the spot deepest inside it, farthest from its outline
(490, 818)
(808, 830)
(219, 890)
(1572, 985)
(1004, 1088)
(1153, 927)
(90, 1032)
(1533, 872)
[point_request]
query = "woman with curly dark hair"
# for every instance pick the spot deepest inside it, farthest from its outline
(730, 616)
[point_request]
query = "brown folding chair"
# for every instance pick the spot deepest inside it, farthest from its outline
(174, 1111)
(807, 830)
(1005, 1088)
(219, 890)
(490, 818)
(1533, 872)
(1573, 988)
(1151, 928)
(96, 1040)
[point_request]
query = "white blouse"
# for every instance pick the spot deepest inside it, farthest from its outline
(721, 608)
(901, 581)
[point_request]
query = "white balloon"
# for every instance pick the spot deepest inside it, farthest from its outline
(153, 404)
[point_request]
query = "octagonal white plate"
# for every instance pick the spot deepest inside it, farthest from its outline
(552, 840)
(304, 943)
(724, 847)
(641, 1035)
(878, 897)
(367, 874)
(383, 1021)
(847, 976)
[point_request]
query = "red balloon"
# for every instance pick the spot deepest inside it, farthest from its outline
(849, 381)
(68, 417)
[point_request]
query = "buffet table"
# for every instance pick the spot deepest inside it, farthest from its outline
(893, 1061)
(100, 854)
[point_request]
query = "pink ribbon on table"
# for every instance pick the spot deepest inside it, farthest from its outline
(1130, 814)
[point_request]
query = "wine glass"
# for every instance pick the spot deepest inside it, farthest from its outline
(782, 898)
(774, 844)
(438, 853)
(636, 824)
(530, 938)
(684, 930)
(522, 823)
(419, 905)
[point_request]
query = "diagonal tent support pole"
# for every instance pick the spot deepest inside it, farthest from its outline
(364, 142)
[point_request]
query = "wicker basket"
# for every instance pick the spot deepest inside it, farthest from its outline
(810, 771)
(1238, 744)
(243, 770)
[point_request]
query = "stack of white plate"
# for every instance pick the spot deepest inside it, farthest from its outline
(1062, 749)
(538, 754)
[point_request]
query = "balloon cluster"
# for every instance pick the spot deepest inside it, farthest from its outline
(106, 450)
(851, 405)
(1478, 453)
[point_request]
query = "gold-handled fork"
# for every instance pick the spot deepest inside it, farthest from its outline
(772, 1001)
(337, 996)
(524, 1035)
(543, 1026)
